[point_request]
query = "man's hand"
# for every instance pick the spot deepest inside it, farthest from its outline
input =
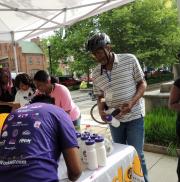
(103, 115)
(101, 107)
(126, 108)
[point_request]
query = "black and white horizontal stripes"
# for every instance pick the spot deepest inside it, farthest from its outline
(125, 75)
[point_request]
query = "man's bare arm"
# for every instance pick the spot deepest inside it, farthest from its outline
(73, 163)
(174, 98)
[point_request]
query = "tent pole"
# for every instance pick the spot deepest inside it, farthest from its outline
(14, 50)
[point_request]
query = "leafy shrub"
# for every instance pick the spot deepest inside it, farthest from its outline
(160, 78)
(160, 127)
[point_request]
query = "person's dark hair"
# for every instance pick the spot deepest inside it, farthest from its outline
(41, 76)
(42, 98)
(25, 79)
(5, 86)
(98, 40)
(4, 71)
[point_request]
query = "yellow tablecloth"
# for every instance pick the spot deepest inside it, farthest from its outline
(2, 119)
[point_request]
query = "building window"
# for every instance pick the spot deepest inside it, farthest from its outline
(30, 60)
(4, 51)
(38, 61)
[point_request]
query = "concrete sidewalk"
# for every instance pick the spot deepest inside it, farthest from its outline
(161, 168)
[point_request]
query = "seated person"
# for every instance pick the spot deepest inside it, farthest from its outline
(60, 93)
(32, 140)
(7, 90)
(25, 87)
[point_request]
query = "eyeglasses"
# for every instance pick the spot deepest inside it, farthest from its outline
(97, 53)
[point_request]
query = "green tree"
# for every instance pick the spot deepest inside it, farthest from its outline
(72, 45)
(146, 28)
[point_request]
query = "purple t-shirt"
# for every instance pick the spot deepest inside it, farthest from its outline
(31, 143)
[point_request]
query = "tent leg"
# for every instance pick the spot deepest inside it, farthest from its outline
(15, 57)
(14, 50)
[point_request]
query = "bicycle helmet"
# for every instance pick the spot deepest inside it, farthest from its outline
(97, 41)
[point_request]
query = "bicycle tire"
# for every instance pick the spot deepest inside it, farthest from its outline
(92, 116)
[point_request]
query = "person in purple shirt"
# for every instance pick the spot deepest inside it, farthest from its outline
(31, 141)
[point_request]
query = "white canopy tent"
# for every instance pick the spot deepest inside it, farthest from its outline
(23, 19)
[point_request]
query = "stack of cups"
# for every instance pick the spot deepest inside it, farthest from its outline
(91, 154)
(101, 151)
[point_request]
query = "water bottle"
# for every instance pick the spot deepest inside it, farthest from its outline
(93, 136)
(78, 135)
(101, 151)
(83, 147)
(108, 146)
(111, 117)
(87, 133)
(92, 162)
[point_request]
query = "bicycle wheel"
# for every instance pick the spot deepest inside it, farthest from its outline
(92, 111)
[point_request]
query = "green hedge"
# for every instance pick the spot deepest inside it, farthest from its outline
(160, 127)
(160, 78)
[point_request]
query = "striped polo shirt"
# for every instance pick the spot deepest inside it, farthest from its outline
(119, 85)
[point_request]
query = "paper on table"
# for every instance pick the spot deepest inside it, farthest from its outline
(14, 105)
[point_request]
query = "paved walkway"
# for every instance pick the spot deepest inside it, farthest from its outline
(161, 168)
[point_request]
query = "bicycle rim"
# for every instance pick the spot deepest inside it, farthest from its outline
(92, 116)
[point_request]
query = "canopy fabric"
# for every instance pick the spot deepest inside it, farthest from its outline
(28, 18)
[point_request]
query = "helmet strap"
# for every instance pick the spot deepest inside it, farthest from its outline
(110, 58)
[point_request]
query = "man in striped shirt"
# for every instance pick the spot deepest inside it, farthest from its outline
(119, 79)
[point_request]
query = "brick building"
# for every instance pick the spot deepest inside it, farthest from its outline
(30, 57)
